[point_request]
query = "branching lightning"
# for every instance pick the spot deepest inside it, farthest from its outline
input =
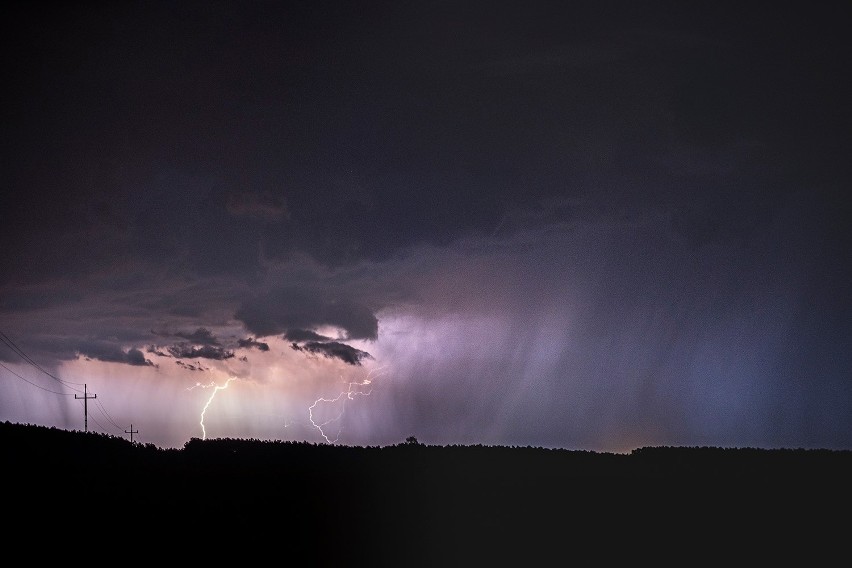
(323, 422)
(216, 388)
(354, 388)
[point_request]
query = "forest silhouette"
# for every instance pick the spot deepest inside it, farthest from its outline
(416, 504)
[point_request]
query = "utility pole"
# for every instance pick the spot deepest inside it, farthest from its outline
(86, 398)
(131, 432)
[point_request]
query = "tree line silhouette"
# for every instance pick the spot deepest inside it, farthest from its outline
(451, 505)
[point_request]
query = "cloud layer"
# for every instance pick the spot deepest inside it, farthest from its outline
(569, 225)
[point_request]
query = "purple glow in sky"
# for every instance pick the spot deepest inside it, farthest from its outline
(578, 225)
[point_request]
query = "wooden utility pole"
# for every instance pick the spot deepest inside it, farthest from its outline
(131, 432)
(86, 398)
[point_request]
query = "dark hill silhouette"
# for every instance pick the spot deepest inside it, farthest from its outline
(415, 504)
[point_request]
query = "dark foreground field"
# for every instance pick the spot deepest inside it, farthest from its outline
(251, 501)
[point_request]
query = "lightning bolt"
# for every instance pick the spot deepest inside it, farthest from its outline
(216, 388)
(354, 388)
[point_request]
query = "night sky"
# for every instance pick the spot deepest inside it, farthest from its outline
(584, 225)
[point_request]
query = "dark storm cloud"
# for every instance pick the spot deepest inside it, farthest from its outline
(42, 348)
(201, 336)
(157, 351)
(312, 342)
(187, 351)
(251, 342)
(135, 357)
(607, 215)
(275, 311)
(415, 132)
(191, 367)
(334, 350)
(110, 353)
(264, 206)
(111, 343)
(557, 58)
(35, 298)
(299, 335)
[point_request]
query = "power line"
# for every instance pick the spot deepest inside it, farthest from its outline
(11, 345)
(98, 424)
(32, 383)
(105, 413)
(98, 403)
(85, 398)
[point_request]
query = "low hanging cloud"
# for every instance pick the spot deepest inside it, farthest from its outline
(300, 335)
(334, 350)
(201, 336)
(310, 341)
(187, 351)
(275, 311)
(191, 367)
(157, 351)
(103, 351)
(200, 344)
(250, 342)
